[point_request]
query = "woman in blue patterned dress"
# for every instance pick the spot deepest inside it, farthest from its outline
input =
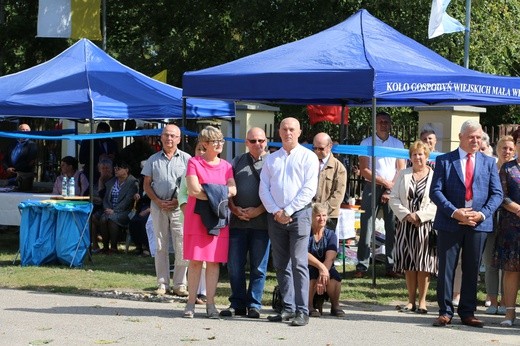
(507, 245)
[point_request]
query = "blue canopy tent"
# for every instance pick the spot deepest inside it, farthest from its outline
(359, 62)
(352, 63)
(83, 82)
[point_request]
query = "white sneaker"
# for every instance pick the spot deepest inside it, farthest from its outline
(180, 291)
(161, 290)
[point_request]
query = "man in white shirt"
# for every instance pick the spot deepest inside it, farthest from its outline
(386, 171)
(287, 185)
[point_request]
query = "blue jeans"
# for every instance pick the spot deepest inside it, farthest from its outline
(241, 242)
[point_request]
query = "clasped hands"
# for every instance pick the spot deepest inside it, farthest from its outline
(413, 219)
(169, 204)
(245, 214)
(281, 217)
(322, 282)
(467, 216)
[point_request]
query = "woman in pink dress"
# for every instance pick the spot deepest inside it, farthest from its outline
(199, 246)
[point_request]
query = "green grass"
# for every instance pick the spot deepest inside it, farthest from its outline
(129, 273)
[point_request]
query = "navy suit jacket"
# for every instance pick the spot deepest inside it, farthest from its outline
(448, 190)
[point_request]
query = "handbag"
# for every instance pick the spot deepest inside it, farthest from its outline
(277, 300)
(432, 239)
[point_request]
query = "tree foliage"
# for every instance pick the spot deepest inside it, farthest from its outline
(185, 35)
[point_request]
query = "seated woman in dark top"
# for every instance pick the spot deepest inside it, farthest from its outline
(324, 278)
(137, 225)
(117, 204)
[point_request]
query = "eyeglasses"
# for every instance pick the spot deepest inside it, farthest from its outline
(319, 149)
(253, 141)
(168, 135)
(217, 142)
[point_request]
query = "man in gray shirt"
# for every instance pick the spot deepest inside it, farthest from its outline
(162, 175)
(248, 231)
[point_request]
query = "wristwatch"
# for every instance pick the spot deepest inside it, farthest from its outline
(285, 213)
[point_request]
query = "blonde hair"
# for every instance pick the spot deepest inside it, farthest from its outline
(418, 145)
(503, 139)
(319, 207)
(210, 133)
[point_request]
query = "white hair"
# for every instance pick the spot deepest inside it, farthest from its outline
(485, 139)
(470, 125)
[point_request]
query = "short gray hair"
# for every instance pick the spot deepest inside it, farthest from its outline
(470, 124)
(485, 139)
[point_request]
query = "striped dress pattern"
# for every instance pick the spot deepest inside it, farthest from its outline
(412, 244)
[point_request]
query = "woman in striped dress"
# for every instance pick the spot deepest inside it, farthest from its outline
(414, 238)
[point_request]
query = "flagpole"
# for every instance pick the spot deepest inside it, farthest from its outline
(466, 34)
(104, 25)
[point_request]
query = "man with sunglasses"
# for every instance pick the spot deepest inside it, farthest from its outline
(332, 181)
(385, 173)
(248, 231)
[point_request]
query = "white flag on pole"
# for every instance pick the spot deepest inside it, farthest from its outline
(440, 21)
(69, 19)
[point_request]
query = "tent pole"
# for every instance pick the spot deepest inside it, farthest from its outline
(91, 162)
(183, 124)
(373, 197)
(233, 130)
(342, 125)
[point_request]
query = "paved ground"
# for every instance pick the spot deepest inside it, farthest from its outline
(39, 318)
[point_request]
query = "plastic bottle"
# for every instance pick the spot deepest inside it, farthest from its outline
(71, 189)
(64, 187)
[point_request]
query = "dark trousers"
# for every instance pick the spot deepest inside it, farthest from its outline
(449, 245)
(365, 235)
(137, 229)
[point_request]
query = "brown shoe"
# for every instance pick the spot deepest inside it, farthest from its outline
(359, 274)
(393, 275)
(472, 321)
(442, 321)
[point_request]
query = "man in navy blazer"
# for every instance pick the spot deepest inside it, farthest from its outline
(463, 220)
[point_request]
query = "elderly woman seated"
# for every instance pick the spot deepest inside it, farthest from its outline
(324, 278)
(69, 169)
(117, 204)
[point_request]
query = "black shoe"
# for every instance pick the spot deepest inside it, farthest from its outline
(253, 313)
(231, 312)
(300, 319)
(405, 308)
(284, 316)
